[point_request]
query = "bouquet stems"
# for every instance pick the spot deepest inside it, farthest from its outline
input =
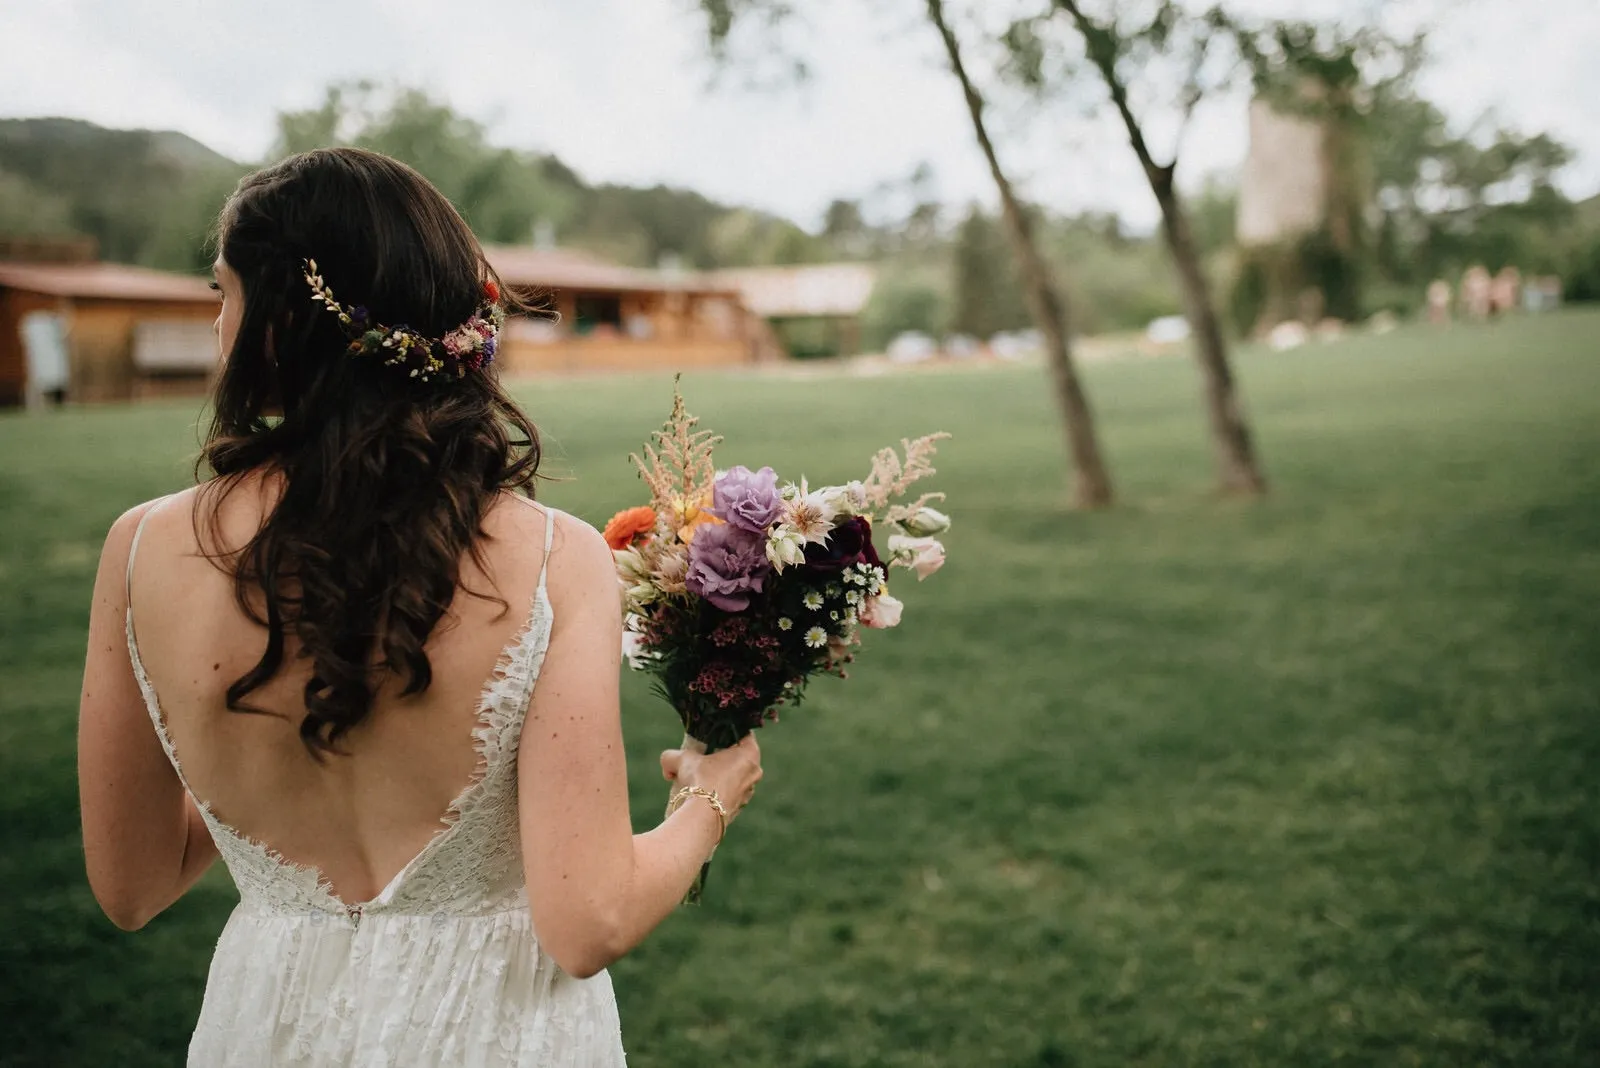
(696, 888)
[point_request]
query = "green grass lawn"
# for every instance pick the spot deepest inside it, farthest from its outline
(1312, 781)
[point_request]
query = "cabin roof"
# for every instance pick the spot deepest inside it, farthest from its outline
(105, 281)
(564, 268)
(804, 291)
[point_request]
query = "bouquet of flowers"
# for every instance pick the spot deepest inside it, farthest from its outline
(737, 590)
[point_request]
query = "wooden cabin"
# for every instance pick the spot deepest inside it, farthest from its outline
(102, 331)
(128, 332)
(615, 318)
(812, 309)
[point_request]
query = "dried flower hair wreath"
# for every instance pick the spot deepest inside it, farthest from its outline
(470, 345)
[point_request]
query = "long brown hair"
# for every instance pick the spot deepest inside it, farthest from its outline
(385, 479)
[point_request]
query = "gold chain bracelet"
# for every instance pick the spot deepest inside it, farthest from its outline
(711, 798)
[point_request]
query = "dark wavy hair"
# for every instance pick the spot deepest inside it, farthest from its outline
(385, 479)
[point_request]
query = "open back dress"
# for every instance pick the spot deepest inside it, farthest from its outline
(441, 968)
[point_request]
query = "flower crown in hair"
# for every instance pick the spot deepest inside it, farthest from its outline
(470, 345)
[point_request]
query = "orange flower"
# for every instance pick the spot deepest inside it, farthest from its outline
(629, 524)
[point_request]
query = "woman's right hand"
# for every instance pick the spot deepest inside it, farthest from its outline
(732, 773)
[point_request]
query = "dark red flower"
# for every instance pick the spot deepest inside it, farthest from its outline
(850, 543)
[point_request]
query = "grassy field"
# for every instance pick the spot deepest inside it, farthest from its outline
(1308, 782)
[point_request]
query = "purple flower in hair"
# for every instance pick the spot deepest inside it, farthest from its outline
(726, 565)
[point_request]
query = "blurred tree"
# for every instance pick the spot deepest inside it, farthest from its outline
(907, 297)
(1157, 44)
(29, 211)
(121, 187)
(741, 237)
(846, 229)
(1445, 200)
(924, 225)
(1333, 74)
(1046, 302)
(1213, 215)
(987, 297)
(503, 194)
(1122, 282)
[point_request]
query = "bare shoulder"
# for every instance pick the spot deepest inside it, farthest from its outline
(119, 539)
(578, 554)
(580, 571)
(580, 560)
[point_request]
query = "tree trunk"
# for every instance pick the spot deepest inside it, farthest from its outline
(1237, 466)
(1046, 305)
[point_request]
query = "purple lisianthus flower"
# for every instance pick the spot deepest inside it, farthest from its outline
(726, 565)
(747, 499)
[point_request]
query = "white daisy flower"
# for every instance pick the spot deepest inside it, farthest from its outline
(812, 600)
(852, 597)
(833, 616)
(785, 623)
(816, 637)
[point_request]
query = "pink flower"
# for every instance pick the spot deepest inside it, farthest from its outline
(881, 612)
(923, 555)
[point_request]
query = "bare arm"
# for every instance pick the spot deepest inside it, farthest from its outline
(595, 889)
(144, 842)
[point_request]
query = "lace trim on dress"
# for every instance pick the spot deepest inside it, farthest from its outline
(483, 862)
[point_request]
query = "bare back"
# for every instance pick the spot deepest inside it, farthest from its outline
(357, 819)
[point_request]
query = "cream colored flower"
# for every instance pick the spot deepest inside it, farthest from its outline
(881, 612)
(630, 565)
(927, 522)
(846, 500)
(784, 548)
(810, 515)
(669, 568)
(923, 555)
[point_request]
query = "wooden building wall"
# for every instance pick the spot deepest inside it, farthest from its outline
(686, 330)
(523, 357)
(100, 339)
(99, 345)
(14, 305)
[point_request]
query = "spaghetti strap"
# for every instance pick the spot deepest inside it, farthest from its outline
(549, 540)
(133, 550)
(549, 535)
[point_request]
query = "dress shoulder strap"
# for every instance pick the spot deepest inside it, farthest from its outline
(549, 534)
(133, 550)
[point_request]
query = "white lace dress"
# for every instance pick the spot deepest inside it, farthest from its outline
(441, 968)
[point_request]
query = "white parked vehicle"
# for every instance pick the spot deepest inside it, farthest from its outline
(1167, 330)
(913, 346)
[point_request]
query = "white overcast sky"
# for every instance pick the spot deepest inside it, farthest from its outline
(622, 90)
